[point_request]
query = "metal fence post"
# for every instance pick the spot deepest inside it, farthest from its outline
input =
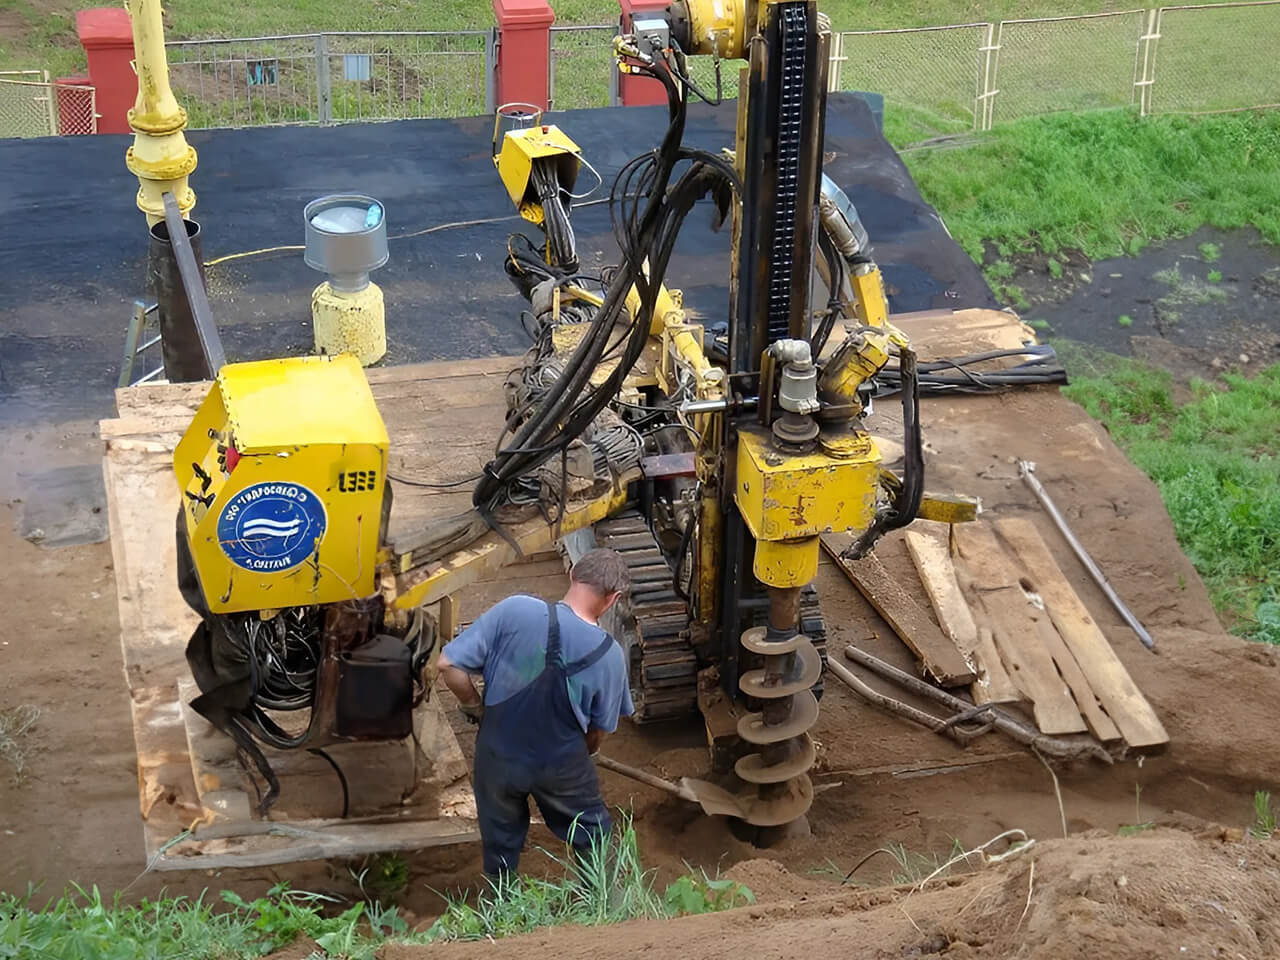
(324, 93)
(491, 70)
(837, 58)
(1145, 62)
(990, 51)
(551, 69)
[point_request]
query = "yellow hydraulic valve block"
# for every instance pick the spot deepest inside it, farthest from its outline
(282, 474)
(515, 160)
(160, 156)
(788, 500)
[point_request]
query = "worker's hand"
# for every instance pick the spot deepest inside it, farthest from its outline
(474, 712)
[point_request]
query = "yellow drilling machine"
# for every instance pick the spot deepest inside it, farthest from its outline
(712, 456)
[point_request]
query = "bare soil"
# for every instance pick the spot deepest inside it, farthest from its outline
(75, 815)
(1163, 893)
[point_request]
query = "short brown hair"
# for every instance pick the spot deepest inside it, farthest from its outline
(603, 570)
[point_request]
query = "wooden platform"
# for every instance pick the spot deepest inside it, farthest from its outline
(443, 419)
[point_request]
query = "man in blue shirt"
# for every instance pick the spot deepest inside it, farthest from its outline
(554, 685)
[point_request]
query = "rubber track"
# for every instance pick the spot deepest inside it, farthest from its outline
(653, 623)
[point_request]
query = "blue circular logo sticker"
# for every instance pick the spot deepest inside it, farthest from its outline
(269, 527)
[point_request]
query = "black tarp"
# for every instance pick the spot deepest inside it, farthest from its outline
(73, 245)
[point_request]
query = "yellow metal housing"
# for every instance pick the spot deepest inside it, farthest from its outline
(354, 323)
(282, 473)
(788, 496)
(515, 164)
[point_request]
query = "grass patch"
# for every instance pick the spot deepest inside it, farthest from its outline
(607, 885)
(1124, 320)
(1214, 459)
(15, 724)
(1264, 819)
(1210, 252)
(1186, 289)
(1105, 183)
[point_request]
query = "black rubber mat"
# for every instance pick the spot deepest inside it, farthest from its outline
(73, 244)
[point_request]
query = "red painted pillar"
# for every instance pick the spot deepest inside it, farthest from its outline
(107, 38)
(524, 51)
(74, 97)
(633, 90)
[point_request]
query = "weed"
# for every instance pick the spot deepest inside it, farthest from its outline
(1210, 252)
(1264, 820)
(1214, 460)
(1132, 829)
(1055, 269)
(698, 893)
(1185, 289)
(1215, 276)
(1124, 320)
(15, 724)
(1038, 324)
(383, 877)
(606, 884)
(1013, 293)
(1000, 270)
(914, 867)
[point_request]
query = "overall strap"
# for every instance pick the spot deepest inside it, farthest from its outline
(553, 636)
(579, 665)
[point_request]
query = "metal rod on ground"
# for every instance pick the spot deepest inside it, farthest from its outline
(1052, 746)
(189, 269)
(1027, 469)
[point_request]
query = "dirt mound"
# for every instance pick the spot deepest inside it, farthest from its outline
(769, 880)
(1164, 892)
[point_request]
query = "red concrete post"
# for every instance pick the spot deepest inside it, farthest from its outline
(107, 38)
(633, 90)
(74, 98)
(524, 51)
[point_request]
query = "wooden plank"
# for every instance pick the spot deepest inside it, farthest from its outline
(1100, 725)
(1000, 688)
(275, 843)
(937, 654)
(1107, 676)
(938, 575)
(993, 584)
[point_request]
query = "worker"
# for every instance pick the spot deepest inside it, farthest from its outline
(555, 684)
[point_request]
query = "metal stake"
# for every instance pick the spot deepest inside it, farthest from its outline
(1027, 469)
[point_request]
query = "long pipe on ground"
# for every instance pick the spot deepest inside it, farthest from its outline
(987, 714)
(1028, 471)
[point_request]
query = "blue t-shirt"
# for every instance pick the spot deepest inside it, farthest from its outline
(508, 644)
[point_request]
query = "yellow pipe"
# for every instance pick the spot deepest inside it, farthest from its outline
(160, 156)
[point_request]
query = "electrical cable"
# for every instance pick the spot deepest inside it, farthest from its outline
(1042, 367)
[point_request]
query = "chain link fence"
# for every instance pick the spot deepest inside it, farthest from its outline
(333, 77)
(1067, 63)
(938, 70)
(583, 72)
(1213, 58)
(33, 106)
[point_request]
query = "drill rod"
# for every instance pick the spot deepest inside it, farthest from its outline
(1051, 746)
(1028, 471)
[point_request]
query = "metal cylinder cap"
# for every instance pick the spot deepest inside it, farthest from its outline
(346, 237)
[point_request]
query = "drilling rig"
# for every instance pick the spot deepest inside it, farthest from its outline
(712, 455)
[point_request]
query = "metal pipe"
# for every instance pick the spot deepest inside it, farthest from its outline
(1027, 469)
(160, 156)
(189, 271)
(1051, 746)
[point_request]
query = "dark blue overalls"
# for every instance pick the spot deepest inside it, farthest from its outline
(532, 743)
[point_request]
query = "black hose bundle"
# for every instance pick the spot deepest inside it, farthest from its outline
(905, 499)
(562, 250)
(1042, 367)
(647, 210)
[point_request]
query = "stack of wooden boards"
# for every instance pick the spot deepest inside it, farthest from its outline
(1010, 627)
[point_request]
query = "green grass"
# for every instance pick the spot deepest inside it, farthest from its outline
(1264, 819)
(1124, 320)
(607, 885)
(1105, 183)
(1216, 461)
